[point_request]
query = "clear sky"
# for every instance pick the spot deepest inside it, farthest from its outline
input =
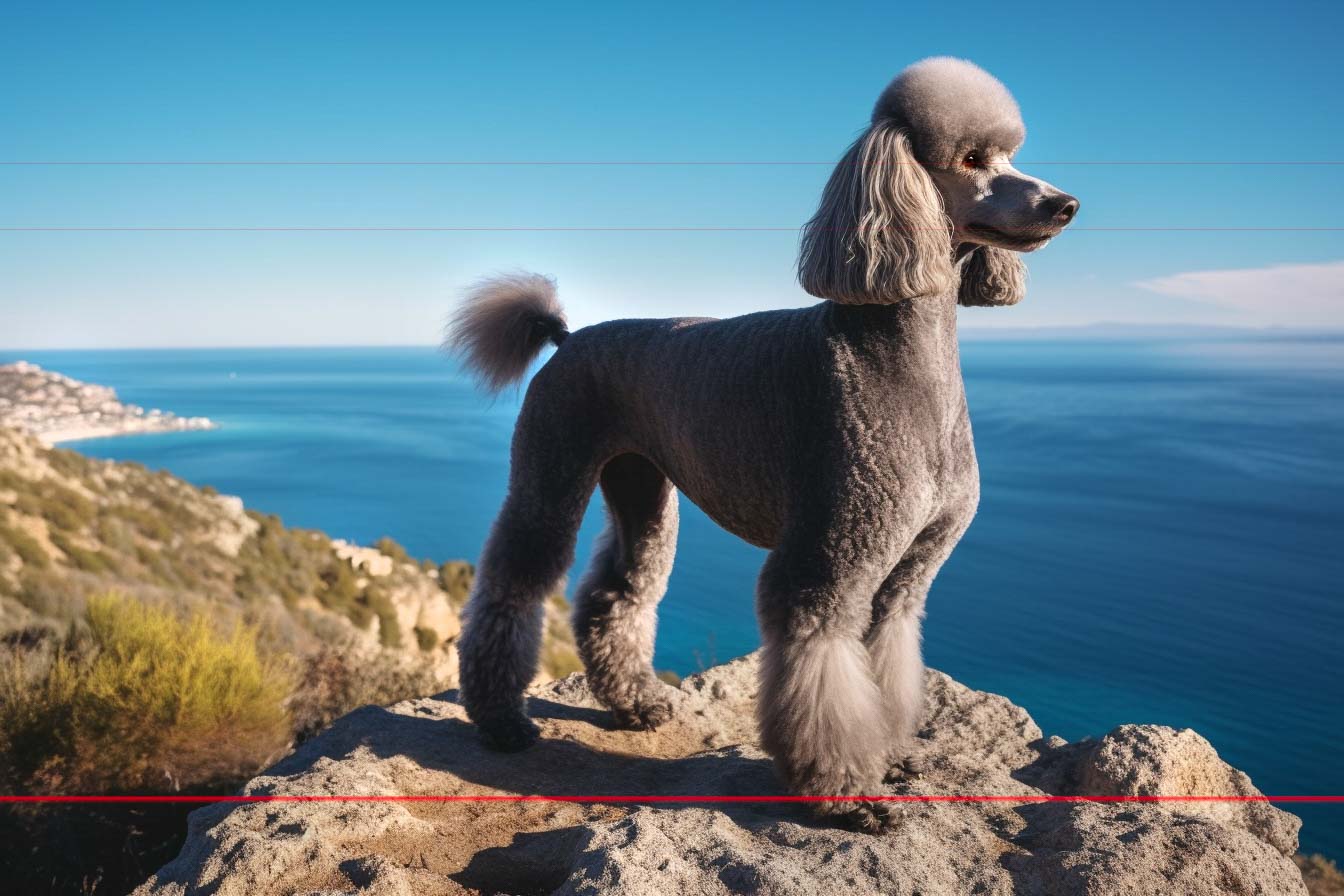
(494, 82)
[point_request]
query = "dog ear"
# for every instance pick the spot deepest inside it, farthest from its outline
(991, 276)
(879, 235)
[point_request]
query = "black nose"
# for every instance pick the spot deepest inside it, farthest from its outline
(1061, 208)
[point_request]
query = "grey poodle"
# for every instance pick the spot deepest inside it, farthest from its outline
(835, 436)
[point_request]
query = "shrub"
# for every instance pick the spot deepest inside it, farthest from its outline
(144, 701)
(340, 587)
(49, 594)
(28, 548)
(148, 523)
(80, 557)
(427, 638)
(333, 682)
(392, 549)
(11, 481)
(389, 632)
(61, 507)
(288, 563)
(456, 576)
(68, 463)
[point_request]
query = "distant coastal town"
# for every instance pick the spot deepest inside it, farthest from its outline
(57, 408)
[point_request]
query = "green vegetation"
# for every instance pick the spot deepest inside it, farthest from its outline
(380, 605)
(26, 547)
(81, 557)
(72, 527)
(146, 523)
(46, 593)
(62, 508)
(69, 463)
(340, 589)
(426, 638)
(456, 577)
(137, 698)
(393, 550)
(179, 684)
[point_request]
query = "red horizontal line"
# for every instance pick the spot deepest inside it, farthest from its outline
(675, 798)
(604, 229)
(616, 162)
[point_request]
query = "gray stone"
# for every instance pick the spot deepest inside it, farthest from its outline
(971, 743)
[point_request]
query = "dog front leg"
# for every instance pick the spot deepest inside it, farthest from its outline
(893, 641)
(820, 709)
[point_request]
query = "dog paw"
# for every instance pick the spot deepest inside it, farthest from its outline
(650, 711)
(645, 716)
(862, 816)
(509, 735)
(905, 769)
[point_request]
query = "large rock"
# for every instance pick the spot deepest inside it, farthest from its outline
(972, 743)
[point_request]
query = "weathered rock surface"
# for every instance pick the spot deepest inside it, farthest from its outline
(972, 743)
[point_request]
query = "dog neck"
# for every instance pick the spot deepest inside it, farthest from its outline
(918, 325)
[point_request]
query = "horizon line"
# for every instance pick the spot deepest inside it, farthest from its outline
(973, 331)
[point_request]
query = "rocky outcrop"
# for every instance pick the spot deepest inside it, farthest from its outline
(972, 743)
(56, 408)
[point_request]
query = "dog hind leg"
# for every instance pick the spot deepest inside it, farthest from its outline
(615, 604)
(530, 547)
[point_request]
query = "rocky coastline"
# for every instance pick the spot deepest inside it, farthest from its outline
(57, 408)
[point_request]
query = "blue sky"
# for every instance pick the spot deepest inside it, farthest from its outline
(522, 82)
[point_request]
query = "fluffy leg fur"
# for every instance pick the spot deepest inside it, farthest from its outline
(552, 475)
(616, 603)
(898, 666)
(893, 640)
(820, 709)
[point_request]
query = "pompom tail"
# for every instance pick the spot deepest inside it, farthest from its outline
(503, 324)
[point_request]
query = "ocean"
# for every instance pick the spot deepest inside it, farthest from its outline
(1160, 536)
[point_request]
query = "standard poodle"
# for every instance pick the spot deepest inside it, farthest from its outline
(835, 436)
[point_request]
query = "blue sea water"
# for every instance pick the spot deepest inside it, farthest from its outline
(1160, 536)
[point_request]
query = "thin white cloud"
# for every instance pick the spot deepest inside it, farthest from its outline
(1280, 295)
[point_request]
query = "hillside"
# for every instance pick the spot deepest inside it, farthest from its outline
(158, 637)
(71, 526)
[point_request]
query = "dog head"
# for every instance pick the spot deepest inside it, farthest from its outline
(929, 185)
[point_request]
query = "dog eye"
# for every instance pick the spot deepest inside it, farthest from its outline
(972, 160)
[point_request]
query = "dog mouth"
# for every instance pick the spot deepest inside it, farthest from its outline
(1020, 242)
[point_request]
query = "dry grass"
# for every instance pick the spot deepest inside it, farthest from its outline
(138, 699)
(1322, 876)
(332, 684)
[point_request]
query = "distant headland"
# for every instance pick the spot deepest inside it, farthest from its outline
(57, 408)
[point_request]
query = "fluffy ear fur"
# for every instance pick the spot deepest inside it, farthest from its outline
(879, 235)
(992, 276)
